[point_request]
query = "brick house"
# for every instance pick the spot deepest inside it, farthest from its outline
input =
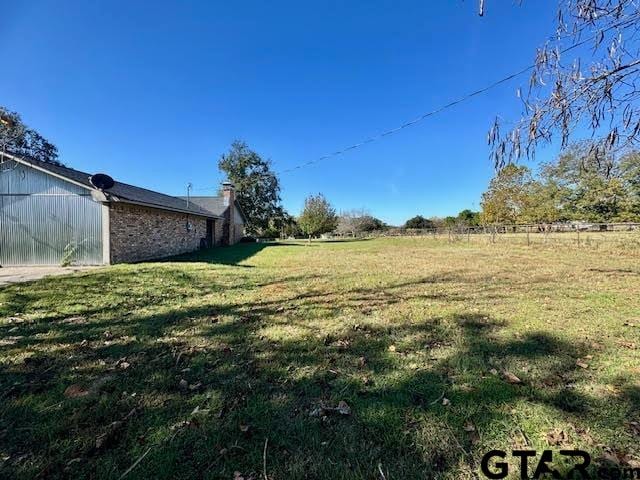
(51, 214)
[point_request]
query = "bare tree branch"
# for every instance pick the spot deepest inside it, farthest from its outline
(596, 89)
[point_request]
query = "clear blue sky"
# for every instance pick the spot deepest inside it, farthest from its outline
(153, 92)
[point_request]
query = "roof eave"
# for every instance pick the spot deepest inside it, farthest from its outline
(26, 162)
(116, 199)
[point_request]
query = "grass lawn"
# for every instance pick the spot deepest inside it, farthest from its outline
(193, 367)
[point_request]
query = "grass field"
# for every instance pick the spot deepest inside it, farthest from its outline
(234, 363)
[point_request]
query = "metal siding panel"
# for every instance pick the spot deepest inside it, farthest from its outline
(41, 215)
(24, 180)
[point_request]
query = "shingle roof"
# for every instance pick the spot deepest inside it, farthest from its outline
(122, 192)
(214, 205)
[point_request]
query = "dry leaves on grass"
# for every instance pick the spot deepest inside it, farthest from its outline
(634, 427)
(557, 437)
(510, 377)
(618, 457)
(470, 428)
(581, 363)
(75, 391)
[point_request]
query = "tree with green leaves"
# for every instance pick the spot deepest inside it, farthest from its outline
(506, 197)
(468, 218)
(590, 184)
(257, 186)
(419, 222)
(582, 184)
(318, 216)
(630, 177)
(19, 139)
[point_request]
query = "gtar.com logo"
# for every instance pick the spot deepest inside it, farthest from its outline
(531, 466)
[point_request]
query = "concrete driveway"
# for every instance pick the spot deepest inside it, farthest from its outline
(26, 274)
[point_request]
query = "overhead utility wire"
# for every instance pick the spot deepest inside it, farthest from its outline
(437, 110)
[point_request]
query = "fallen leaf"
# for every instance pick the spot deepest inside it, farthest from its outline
(634, 427)
(582, 364)
(244, 428)
(585, 435)
(75, 391)
(392, 348)
(510, 377)
(557, 437)
(630, 461)
(343, 408)
(469, 426)
(446, 402)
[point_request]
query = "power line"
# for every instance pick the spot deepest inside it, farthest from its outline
(451, 104)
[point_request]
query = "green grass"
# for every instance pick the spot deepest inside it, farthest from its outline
(197, 362)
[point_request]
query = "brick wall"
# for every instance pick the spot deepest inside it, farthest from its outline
(218, 232)
(141, 233)
(238, 233)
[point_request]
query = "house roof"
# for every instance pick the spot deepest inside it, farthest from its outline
(120, 192)
(214, 205)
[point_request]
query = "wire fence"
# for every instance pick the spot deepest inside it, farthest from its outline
(594, 235)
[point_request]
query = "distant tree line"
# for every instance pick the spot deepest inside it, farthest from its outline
(582, 184)
(466, 218)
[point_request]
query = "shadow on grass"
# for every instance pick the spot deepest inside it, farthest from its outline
(201, 388)
(236, 254)
(231, 255)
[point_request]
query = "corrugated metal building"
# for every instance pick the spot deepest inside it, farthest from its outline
(50, 215)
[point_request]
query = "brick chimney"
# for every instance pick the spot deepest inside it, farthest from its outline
(229, 198)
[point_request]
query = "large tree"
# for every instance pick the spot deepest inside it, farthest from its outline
(358, 221)
(579, 185)
(18, 138)
(419, 222)
(585, 78)
(590, 185)
(318, 216)
(257, 186)
(468, 218)
(506, 197)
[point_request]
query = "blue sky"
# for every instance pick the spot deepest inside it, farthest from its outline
(154, 92)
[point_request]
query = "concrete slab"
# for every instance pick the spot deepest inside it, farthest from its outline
(27, 274)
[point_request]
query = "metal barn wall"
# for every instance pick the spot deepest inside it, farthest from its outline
(44, 219)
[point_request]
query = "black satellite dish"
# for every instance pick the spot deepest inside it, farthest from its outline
(101, 181)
